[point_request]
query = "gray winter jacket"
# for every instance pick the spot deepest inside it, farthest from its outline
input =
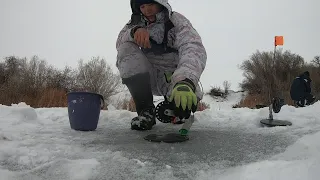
(183, 37)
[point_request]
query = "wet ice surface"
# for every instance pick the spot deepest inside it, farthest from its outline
(206, 149)
(224, 144)
(123, 153)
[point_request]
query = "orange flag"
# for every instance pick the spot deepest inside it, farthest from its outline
(278, 40)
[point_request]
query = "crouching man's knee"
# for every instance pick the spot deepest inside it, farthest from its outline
(131, 60)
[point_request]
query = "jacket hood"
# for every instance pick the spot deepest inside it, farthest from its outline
(136, 12)
(306, 76)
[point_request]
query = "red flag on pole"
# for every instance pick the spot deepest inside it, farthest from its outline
(278, 40)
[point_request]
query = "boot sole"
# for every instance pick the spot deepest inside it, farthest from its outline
(142, 127)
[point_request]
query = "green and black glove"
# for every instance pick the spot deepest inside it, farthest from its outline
(185, 99)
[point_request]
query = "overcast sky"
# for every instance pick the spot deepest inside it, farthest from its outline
(64, 31)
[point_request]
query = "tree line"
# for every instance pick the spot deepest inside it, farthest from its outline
(39, 84)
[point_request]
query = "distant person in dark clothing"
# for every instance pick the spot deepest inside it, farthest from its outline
(301, 90)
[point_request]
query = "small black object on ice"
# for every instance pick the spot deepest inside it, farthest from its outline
(167, 138)
(276, 105)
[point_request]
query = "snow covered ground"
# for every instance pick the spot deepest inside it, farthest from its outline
(225, 143)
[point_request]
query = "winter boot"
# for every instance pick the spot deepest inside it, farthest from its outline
(144, 121)
(310, 100)
(300, 103)
(140, 90)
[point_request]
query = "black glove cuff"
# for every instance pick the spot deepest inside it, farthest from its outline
(189, 83)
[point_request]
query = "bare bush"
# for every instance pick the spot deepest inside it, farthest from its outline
(61, 79)
(97, 76)
(226, 86)
(34, 75)
(129, 105)
(2, 73)
(202, 106)
(14, 84)
(216, 91)
(316, 61)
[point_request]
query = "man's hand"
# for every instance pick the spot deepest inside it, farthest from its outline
(185, 100)
(141, 37)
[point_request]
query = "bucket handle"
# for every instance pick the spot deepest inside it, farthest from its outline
(102, 102)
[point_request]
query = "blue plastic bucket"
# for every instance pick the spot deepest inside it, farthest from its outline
(84, 110)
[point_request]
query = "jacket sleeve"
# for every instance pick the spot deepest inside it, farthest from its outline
(192, 54)
(125, 35)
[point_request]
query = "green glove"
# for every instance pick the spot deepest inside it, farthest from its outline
(183, 96)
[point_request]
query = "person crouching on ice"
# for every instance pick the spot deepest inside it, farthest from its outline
(160, 53)
(301, 90)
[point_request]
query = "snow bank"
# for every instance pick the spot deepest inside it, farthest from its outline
(20, 113)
